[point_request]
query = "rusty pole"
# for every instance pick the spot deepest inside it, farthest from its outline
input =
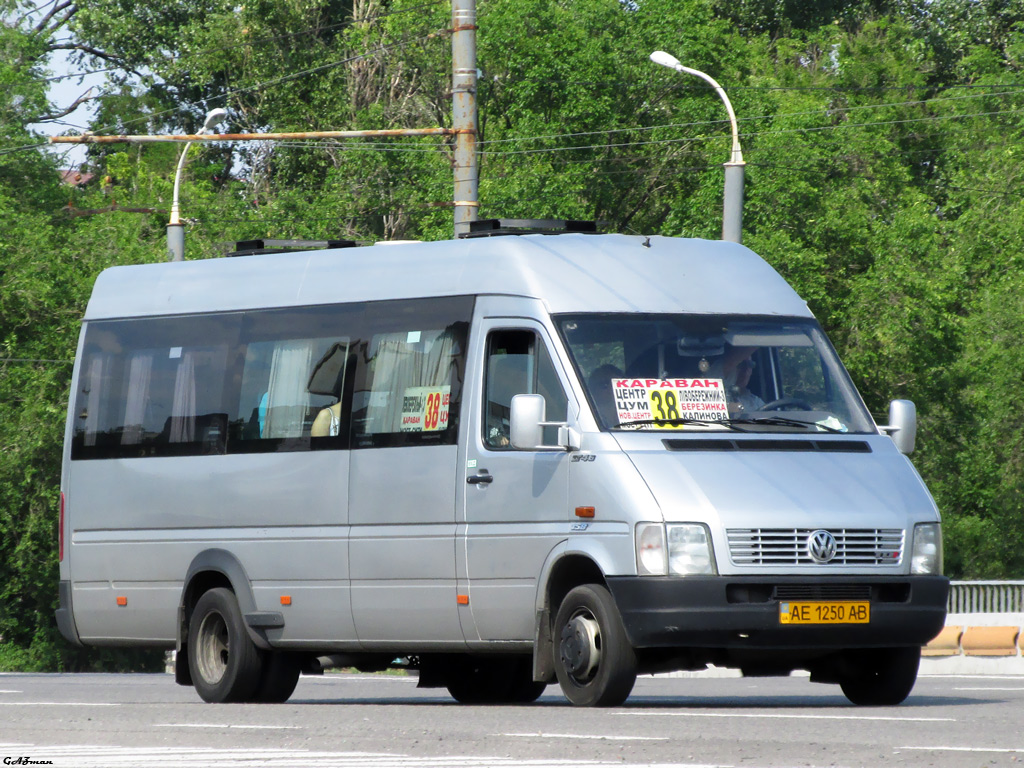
(464, 114)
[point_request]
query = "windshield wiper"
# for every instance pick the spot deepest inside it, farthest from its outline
(728, 423)
(782, 421)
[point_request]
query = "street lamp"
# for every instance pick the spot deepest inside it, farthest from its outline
(732, 212)
(175, 229)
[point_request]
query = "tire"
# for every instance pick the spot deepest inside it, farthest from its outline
(495, 680)
(594, 662)
(225, 665)
(280, 676)
(880, 677)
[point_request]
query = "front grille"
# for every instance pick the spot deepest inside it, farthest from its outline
(822, 592)
(788, 546)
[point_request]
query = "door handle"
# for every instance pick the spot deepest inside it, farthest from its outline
(481, 479)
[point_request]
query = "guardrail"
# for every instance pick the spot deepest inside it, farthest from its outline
(984, 618)
(986, 597)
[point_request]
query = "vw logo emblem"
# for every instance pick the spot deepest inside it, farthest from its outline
(821, 546)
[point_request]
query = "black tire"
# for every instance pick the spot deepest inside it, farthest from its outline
(280, 676)
(880, 677)
(225, 665)
(495, 680)
(594, 662)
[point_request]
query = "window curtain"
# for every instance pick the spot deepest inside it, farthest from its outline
(395, 367)
(93, 390)
(140, 371)
(398, 366)
(183, 407)
(288, 402)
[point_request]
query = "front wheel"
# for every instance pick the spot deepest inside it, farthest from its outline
(594, 662)
(224, 663)
(880, 676)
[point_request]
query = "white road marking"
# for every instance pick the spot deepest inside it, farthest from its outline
(58, 704)
(791, 717)
(999, 750)
(1009, 678)
(185, 757)
(1018, 688)
(11, 691)
(229, 725)
(584, 736)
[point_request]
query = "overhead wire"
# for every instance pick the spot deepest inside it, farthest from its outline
(220, 48)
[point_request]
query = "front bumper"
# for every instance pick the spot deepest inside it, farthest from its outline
(736, 613)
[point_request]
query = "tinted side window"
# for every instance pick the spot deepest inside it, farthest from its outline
(518, 363)
(154, 387)
(410, 367)
(274, 380)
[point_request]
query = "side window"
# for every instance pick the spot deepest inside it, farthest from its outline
(287, 383)
(408, 381)
(153, 387)
(410, 365)
(293, 379)
(518, 363)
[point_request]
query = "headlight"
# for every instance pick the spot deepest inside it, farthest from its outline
(926, 556)
(689, 550)
(686, 553)
(650, 549)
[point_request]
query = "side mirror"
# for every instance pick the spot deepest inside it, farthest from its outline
(902, 426)
(526, 429)
(527, 422)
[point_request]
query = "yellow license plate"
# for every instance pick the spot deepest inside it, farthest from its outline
(825, 613)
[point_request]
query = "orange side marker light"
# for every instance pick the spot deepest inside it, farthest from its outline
(286, 599)
(122, 600)
(584, 511)
(462, 599)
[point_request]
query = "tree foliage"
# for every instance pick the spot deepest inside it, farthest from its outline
(883, 141)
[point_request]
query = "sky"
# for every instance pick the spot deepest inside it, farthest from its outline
(63, 93)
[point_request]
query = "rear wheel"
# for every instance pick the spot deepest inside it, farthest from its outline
(880, 676)
(594, 662)
(494, 680)
(224, 663)
(280, 676)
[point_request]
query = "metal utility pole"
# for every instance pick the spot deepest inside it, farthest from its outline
(464, 114)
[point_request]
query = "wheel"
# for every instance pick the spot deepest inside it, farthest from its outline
(594, 662)
(787, 404)
(280, 676)
(224, 663)
(524, 689)
(496, 680)
(880, 677)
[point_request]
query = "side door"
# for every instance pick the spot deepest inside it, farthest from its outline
(515, 501)
(403, 480)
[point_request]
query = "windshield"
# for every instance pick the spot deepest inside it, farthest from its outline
(700, 372)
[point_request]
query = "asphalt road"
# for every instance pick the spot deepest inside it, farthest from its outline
(146, 721)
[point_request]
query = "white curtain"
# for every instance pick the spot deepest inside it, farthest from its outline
(395, 365)
(288, 400)
(399, 365)
(140, 371)
(94, 381)
(183, 407)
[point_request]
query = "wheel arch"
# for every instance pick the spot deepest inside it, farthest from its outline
(563, 571)
(209, 569)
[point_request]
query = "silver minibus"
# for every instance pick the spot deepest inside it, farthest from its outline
(499, 462)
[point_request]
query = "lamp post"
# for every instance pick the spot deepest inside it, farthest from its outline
(732, 211)
(175, 229)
